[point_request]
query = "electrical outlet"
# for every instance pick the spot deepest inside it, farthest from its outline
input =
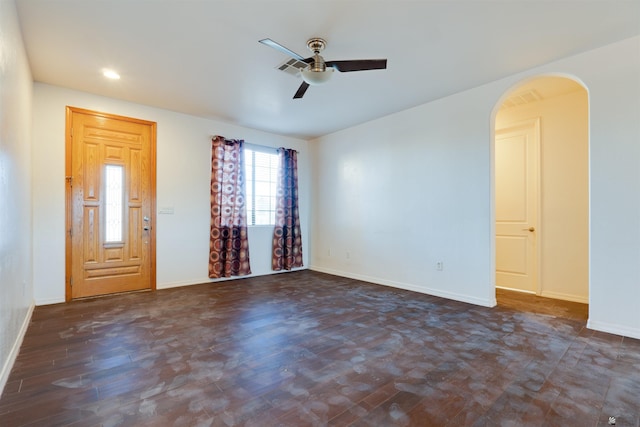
(439, 266)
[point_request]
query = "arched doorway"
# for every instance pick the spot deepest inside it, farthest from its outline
(541, 174)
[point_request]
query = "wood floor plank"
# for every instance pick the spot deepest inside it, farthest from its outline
(307, 348)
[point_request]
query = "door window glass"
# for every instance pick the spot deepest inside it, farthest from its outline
(113, 203)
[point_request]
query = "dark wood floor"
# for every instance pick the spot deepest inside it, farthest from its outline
(309, 349)
(528, 303)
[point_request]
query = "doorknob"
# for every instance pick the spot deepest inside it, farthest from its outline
(531, 229)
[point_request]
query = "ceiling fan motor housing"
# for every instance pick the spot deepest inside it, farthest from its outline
(318, 64)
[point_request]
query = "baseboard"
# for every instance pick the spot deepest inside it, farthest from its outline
(565, 297)
(547, 294)
(13, 354)
(611, 328)
(49, 301)
(170, 285)
(515, 290)
(408, 287)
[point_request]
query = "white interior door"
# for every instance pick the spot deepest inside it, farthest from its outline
(516, 169)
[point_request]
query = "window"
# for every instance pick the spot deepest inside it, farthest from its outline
(113, 203)
(261, 169)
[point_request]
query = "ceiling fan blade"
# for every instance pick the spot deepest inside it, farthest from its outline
(301, 90)
(358, 65)
(278, 46)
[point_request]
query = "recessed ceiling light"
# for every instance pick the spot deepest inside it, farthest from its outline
(110, 74)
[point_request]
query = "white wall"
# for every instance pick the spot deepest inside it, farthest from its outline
(183, 177)
(16, 294)
(405, 191)
(564, 197)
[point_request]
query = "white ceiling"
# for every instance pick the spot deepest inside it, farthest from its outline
(202, 57)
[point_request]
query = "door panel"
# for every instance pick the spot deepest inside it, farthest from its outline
(111, 193)
(513, 254)
(516, 183)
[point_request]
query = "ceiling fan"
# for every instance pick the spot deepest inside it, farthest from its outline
(319, 71)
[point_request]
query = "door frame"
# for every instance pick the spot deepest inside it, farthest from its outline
(535, 124)
(68, 191)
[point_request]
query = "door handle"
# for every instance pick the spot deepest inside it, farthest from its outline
(531, 229)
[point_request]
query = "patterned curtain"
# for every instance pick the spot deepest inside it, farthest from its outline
(228, 244)
(287, 239)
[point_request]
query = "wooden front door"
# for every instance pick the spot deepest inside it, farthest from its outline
(516, 177)
(110, 204)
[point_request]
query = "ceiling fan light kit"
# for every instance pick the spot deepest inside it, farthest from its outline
(314, 77)
(320, 71)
